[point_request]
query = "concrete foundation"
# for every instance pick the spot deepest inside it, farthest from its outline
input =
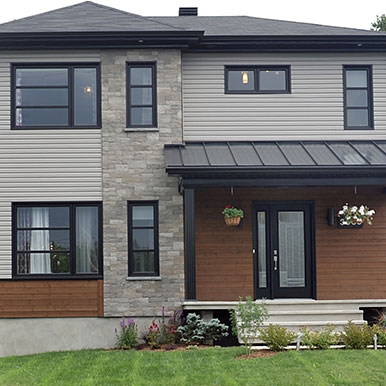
(37, 335)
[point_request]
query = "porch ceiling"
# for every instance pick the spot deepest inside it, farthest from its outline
(340, 162)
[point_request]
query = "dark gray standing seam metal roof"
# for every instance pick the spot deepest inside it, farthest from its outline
(279, 155)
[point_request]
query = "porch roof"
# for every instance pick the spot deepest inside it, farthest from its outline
(339, 162)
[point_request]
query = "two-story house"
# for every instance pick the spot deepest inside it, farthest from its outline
(122, 139)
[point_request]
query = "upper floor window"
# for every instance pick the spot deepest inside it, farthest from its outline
(55, 96)
(257, 79)
(57, 240)
(358, 98)
(143, 238)
(141, 95)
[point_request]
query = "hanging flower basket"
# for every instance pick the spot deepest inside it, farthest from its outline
(354, 216)
(232, 216)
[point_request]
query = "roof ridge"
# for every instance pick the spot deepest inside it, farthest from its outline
(131, 14)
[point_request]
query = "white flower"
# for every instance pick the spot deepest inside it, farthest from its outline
(362, 210)
(341, 212)
(354, 209)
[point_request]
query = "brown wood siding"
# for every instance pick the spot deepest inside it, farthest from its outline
(350, 263)
(51, 298)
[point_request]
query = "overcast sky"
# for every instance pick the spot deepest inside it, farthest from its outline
(344, 13)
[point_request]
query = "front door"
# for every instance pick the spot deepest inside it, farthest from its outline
(283, 249)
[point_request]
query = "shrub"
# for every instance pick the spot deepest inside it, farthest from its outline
(164, 331)
(246, 320)
(196, 330)
(319, 340)
(276, 337)
(382, 336)
(127, 336)
(357, 337)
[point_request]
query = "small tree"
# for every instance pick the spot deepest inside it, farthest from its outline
(379, 24)
(246, 319)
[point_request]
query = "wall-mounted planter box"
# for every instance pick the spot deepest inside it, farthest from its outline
(340, 226)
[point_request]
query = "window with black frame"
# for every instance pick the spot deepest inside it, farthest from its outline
(55, 96)
(141, 95)
(358, 98)
(57, 239)
(257, 80)
(143, 238)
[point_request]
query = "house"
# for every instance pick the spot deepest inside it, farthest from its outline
(123, 138)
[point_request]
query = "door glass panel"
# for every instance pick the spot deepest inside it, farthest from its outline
(262, 249)
(291, 249)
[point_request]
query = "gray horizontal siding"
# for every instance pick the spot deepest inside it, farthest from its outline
(314, 109)
(43, 165)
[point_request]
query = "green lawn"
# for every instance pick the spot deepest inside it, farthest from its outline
(212, 366)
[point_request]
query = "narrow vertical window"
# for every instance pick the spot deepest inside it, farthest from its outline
(141, 95)
(143, 238)
(358, 99)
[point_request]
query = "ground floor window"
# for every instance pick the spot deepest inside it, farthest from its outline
(55, 239)
(143, 238)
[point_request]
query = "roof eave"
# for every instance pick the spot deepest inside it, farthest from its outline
(100, 39)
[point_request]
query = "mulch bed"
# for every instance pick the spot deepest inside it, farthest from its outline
(165, 347)
(257, 354)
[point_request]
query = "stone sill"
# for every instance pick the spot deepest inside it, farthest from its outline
(141, 129)
(144, 278)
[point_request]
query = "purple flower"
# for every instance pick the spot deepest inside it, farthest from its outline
(130, 322)
(123, 323)
(116, 330)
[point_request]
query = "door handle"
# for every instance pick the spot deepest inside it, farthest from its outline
(275, 258)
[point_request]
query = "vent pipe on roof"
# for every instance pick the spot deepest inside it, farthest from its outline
(188, 11)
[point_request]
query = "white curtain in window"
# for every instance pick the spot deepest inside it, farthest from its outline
(86, 239)
(40, 240)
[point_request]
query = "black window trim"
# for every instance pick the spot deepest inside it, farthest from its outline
(59, 276)
(130, 65)
(154, 204)
(71, 110)
(370, 100)
(256, 69)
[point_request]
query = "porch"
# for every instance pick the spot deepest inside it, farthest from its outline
(285, 249)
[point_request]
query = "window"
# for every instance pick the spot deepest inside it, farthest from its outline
(55, 96)
(143, 238)
(57, 240)
(141, 95)
(257, 80)
(358, 98)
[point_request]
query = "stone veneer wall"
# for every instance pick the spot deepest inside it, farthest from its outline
(134, 169)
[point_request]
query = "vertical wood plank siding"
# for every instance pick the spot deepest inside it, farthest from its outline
(43, 165)
(351, 263)
(313, 110)
(51, 298)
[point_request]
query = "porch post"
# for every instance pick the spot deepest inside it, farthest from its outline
(190, 244)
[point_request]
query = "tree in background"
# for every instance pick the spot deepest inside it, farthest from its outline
(379, 24)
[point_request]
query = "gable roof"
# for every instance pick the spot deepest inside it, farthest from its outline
(86, 17)
(252, 26)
